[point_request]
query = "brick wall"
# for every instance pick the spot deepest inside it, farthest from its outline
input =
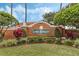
(45, 26)
(9, 34)
(51, 31)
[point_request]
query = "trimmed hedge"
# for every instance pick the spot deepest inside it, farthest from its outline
(37, 39)
(68, 42)
(22, 41)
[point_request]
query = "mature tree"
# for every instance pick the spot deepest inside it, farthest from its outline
(48, 17)
(68, 16)
(6, 21)
(70, 4)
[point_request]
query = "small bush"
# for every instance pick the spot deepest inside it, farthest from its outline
(18, 33)
(2, 44)
(76, 43)
(40, 40)
(69, 34)
(35, 39)
(30, 40)
(58, 33)
(50, 40)
(22, 41)
(68, 42)
(8, 43)
(12, 42)
(24, 32)
(58, 41)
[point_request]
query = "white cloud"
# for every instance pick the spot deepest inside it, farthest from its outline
(37, 13)
(19, 9)
(18, 12)
(47, 10)
(8, 9)
(15, 15)
(40, 10)
(2, 9)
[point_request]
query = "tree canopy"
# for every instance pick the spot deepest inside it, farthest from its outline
(48, 17)
(68, 16)
(6, 21)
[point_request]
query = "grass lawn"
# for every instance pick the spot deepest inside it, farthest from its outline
(39, 50)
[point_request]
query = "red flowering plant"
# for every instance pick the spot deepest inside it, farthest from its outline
(70, 34)
(18, 33)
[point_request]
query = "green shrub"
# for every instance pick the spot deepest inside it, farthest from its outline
(68, 42)
(76, 43)
(2, 44)
(50, 40)
(30, 40)
(37, 39)
(8, 43)
(58, 33)
(25, 32)
(12, 42)
(22, 41)
(58, 41)
(40, 39)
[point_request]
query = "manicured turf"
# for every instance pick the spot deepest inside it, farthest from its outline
(40, 50)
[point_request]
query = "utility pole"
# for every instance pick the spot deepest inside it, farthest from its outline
(61, 13)
(25, 12)
(69, 5)
(25, 20)
(11, 9)
(60, 6)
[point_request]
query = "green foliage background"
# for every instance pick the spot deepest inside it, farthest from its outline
(68, 16)
(6, 19)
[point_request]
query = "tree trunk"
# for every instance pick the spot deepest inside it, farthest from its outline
(3, 33)
(1, 36)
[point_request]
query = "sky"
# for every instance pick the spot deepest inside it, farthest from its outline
(37, 10)
(34, 13)
(18, 10)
